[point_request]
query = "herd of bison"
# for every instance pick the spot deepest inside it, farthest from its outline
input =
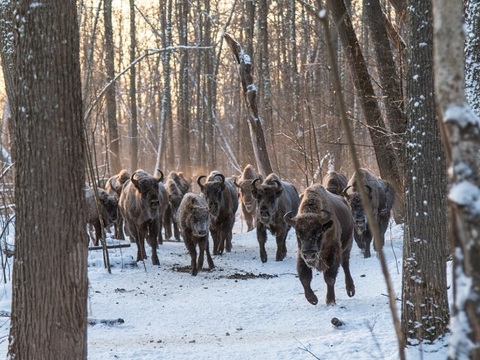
(326, 217)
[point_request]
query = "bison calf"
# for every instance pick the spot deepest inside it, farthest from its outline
(106, 211)
(193, 216)
(324, 229)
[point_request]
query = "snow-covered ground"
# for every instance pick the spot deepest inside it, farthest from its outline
(243, 309)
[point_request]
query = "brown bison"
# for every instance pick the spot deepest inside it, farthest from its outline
(193, 221)
(139, 205)
(114, 187)
(247, 201)
(382, 197)
(106, 211)
(324, 229)
(177, 185)
(275, 198)
(222, 200)
(335, 182)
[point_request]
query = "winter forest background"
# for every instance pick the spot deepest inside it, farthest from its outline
(154, 85)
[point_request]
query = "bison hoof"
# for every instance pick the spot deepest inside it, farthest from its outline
(312, 299)
(351, 292)
(194, 272)
(331, 302)
(264, 260)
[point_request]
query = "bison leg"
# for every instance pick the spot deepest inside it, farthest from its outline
(349, 284)
(98, 233)
(167, 223)
(305, 276)
(281, 247)
(119, 228)
(152, 240)
(367, 239)
(262, 239)
(329, 276)
(211, 266)
(228, 246)
(176, 231)
(141, 254)
(248, 218)
(216, 242)
(193, 256)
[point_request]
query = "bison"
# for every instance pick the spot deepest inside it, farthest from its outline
(177, 185)
(382, 197)
(275, 198)
(114, 187)
(193, 221)
(247, 201)
(335, 182)
(222, 200)
(106, 211)
(324, 230)
(139, 205)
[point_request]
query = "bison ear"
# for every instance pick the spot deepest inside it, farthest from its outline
(290, 219)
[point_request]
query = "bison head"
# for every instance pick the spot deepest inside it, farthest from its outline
(110, 205)
(310, 229)
(267, 198)
(212, 191)
(200, 221)
(148, 188)
(354, 201)
(245, 191)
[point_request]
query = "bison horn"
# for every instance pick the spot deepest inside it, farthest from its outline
(328, 217)
(254, 182)
(235, 182)
(369, 189)
(288, 217)
(199, 181)
(133, 180)
(344, 191)
(222, 178)
(279, 184)
(160, 179)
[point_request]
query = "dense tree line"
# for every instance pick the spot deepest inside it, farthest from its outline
(160, 90)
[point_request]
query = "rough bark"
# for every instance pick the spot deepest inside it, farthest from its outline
(425, 312)
(461, 135)
(133, 92)
(49, 306)
(472, 54)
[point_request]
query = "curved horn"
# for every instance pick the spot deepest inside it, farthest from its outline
(288, 217)
(344, 191)
(160, 179)
(235, 182)
(254, 182)
(199, 181)
(329, 215)
(221, 177)
(279, 184)
(133, 180)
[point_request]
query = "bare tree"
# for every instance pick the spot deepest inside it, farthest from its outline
(49, 306)
(472, 54)
(460, 129)
(245, 69)
(425, 312)
(133, 91)
(114, 140)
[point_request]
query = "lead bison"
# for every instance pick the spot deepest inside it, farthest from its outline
(105, 210)
(177, 185)
(139, 205)
(193, 222)
(113, 187)
(275, 198)
(222, 200)
(324, 229)
(335, 182)
(247, 201)
(382, 197)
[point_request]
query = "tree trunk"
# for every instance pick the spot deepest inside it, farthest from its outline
(183, 99)
(385, 154)
(472, 54)
(245, 69)
(133, 91)
(425, 312)
(49, 306)
(114, 141)
(461, 134)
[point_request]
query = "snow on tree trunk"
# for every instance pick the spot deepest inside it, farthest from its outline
(461, 131)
